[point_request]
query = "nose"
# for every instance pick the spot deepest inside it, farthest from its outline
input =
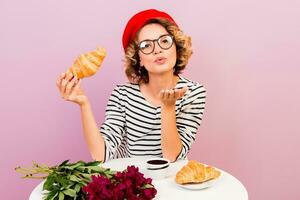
(157, 48)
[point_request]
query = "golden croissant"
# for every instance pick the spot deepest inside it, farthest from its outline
(195, 172)
(88, 64)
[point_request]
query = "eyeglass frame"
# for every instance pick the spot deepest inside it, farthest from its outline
(156, 40)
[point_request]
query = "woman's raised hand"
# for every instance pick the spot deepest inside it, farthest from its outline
(70, 90)
(169, 97)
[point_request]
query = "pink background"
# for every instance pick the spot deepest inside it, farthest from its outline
(246, 53)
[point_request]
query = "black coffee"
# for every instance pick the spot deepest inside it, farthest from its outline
(157, 162)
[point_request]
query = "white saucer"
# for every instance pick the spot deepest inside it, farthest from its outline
(199, 186)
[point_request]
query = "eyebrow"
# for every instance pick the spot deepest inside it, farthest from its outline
(154, 39)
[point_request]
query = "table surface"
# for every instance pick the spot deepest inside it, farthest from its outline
(227, 187)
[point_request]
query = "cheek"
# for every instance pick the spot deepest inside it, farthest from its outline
(145, 59)
(173, 55)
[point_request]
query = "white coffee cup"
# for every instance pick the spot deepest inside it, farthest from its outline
(158, 168)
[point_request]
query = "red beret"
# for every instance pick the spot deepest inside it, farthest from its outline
(138, 21)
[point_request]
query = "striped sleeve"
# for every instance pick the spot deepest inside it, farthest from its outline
(190, 117)
(112, 129)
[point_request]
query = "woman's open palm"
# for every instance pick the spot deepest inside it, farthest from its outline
(169, 97)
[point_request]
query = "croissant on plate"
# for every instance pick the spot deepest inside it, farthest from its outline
(88, 64)
(195, 172)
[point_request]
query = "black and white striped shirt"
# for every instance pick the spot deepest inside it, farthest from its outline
(132, 126)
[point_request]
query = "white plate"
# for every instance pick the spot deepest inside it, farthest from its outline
(199, 186)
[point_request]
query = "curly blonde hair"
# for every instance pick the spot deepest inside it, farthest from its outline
(138, 74)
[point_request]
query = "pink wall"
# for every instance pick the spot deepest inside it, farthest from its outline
(244, 53)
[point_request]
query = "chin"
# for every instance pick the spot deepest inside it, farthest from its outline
(158, 69)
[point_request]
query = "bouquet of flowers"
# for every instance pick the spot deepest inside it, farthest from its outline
(81, 180)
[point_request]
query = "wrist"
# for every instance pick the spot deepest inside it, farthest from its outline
(84, 103)
(168, 107)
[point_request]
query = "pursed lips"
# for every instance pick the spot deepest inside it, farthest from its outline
(160, 59)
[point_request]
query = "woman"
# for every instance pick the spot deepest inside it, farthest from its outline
(158, 112)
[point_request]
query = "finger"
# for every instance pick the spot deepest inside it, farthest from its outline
(70, 86)
(180, 93)
(79, 81)
(171, 94)
(185, 88)
(69, 95)
(177, 93)
(167, 94)
(183, 91)
(77, 85)
(72, 96)
(58, 81)
(69, 76)
(63, 86)
(161, 94)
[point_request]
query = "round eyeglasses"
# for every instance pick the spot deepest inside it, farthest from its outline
(147, 46)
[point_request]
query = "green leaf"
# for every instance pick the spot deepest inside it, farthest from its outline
(93, 163)
(109, 172)
(75, 178)
(54, 196)
(71, 167)
(64, 182)
(63, 163)
(109, 176)
(85, 178)
(82, 183)
(69, 192)
(77, 187)
(50, 195)
(49, 183)
(61, 196)
(147, 186)
(86, 175)
(90, 168)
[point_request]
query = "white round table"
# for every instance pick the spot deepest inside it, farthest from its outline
(226, 187)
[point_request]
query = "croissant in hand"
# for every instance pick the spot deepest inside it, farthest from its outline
(88, 64)
(195, 172)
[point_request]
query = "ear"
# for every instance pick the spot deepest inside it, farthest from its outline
(141, 63)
